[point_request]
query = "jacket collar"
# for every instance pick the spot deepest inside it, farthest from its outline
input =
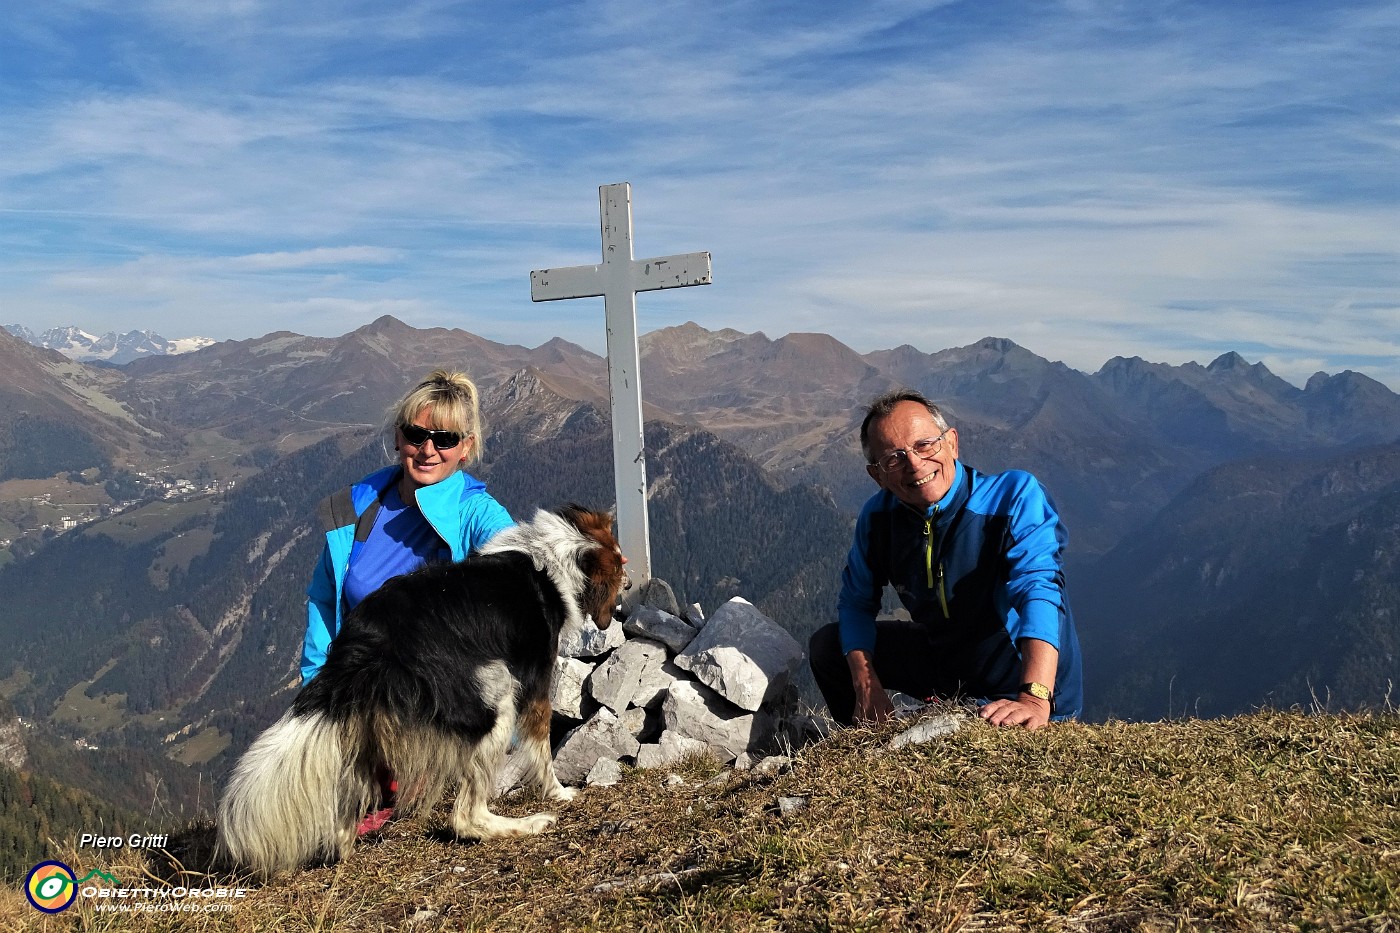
(369, 489)
(456, 486)
(944, 509)
(446, 494)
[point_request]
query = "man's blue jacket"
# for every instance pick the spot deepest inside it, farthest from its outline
(982, 568)
(458, 508)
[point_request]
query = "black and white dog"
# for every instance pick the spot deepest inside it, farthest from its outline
(431, 674)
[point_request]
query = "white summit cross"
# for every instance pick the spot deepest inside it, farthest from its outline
(617, 279)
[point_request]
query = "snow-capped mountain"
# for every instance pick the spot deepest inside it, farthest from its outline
(23, 333)
(77, 344)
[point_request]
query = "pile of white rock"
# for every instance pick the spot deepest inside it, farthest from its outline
(668, 684)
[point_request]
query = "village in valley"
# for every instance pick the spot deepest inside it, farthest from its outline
(33, 512)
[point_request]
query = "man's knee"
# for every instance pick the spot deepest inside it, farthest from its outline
(824, 646)
(829, 671)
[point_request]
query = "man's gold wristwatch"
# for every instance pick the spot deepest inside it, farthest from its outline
(1040, 692)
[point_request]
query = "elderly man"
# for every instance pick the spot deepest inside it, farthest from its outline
(977, 560)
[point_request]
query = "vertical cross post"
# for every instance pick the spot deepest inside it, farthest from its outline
(617, 279)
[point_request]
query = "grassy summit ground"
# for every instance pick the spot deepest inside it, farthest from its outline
(1271, 821)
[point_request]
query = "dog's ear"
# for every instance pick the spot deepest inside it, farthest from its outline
(594, 524)
(574, 514)
(602, 567)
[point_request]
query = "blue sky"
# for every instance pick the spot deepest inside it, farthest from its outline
(1090, 179)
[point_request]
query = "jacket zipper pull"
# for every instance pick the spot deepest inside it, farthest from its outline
(928, 564)
(928, 551)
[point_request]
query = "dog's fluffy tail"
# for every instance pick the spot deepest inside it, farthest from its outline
(295, 796)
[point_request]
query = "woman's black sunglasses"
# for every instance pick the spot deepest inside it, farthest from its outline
(442, 440)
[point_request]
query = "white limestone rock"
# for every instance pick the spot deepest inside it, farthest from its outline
(787, 806)
(646, 724)
(771, 765)
(603, 736)
(589, 641)
(651, 692)
(566, 692)
(660, 626)
(694, 616)
(617, 680)
(927, 730)
(657, 593)
(672, 749)
(697, 712)
(605, 773)
(742, 654)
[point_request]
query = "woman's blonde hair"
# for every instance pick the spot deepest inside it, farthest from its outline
(452, 397)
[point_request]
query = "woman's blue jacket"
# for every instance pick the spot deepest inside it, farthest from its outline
(458, 508)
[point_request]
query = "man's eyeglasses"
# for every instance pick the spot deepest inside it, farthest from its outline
(925, 449)
(442, 440)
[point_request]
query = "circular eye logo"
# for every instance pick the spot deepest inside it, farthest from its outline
(51, 887)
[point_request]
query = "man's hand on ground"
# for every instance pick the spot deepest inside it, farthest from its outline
(1027, 711)
(872, 703)
(873, 706)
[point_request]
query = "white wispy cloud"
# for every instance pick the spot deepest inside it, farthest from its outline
(322, 256)
(1091, 179)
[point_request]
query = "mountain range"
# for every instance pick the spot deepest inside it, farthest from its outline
(77, 344)
(1233, 537)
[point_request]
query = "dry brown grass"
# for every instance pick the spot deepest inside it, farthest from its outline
(1271, 821)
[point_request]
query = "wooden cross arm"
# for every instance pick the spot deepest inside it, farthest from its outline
(671, 272)
(567, 282)
(647, 275)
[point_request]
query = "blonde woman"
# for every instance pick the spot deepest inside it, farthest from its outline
(421, 509)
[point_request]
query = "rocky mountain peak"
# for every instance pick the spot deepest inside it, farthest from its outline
(22, 332)
(997, 345)
(522, 385)
(557, 348)
(1123, 374)
(385, 325)
(1233, 364)
(692, 340)
(1226, 362)
(1345, 382)
(818, 348)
